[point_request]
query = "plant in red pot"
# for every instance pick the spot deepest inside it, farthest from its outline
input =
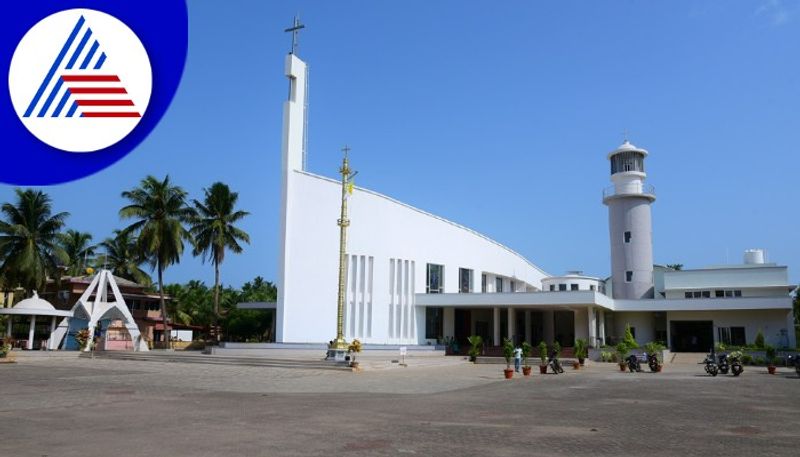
(527, 349)
(508, 354)
(543, 357)
(770, 350)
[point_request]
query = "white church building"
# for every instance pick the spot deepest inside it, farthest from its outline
(414, 278)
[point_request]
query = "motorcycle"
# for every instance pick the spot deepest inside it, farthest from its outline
(633, 363)
(652, 362)
(794, 360)
(736, 364)
(555, 365)
(711, 364)
(722, 363)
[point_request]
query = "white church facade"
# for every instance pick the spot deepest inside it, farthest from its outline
(414, 278)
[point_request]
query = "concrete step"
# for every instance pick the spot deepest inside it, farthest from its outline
(531, 361)
(687, 358)
(169, 357)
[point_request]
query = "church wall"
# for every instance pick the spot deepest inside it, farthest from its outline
(389, 247)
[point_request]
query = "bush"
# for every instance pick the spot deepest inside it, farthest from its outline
(606, 356)
(654, 347)
(476, 345)
(581, 349)
(622, 351)
(508, 351)
(770, 354)
(759, 361)
(747, 359)
(759, 341)
(527, 349)
(629, 340)
(543, 352)
(557, 348)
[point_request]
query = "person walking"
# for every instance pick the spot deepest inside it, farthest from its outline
(517, 358)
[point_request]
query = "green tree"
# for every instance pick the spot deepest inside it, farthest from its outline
(628, 339)
(190, 303)
(675, 266)
(123, 258)
(214, 231)
(29, 240)
(78, 249)
(160, 212)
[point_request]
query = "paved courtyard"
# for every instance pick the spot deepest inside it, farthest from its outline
(100, 407)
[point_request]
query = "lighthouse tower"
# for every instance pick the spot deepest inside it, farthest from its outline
(630, 224)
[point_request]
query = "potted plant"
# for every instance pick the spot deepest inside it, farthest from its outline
(83, 337)
(353, 349)
(527, 349)
(770, 350)
(543, 357)
(655, 347)
(581, 350)
(622, 354)
(508, 354)
(5, 350)
(476, 345)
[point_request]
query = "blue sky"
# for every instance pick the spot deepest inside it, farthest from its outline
(496, 115)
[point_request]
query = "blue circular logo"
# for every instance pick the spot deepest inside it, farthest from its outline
(87, 82)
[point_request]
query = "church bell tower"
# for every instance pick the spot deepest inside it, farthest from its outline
(630, 224)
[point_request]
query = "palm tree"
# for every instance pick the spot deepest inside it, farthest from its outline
(29, 236)
(214, 231)
(123, 258)
(160, 211)
(78, 250)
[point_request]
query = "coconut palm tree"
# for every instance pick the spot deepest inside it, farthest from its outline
(214, 231)
(79, 251)
(29, 235)
(122, 257)
(159, 210)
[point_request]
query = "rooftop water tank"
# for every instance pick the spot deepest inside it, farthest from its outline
(753, 256)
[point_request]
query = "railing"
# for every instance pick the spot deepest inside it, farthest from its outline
(647, 189)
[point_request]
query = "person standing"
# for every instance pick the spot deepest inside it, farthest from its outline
(517, 358)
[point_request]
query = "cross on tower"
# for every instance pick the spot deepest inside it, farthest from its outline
(295, 28)
(346, 150)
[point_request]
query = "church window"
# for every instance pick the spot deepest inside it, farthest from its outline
(435, 279)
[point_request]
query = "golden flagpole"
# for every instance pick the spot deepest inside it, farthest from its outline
(340, 343)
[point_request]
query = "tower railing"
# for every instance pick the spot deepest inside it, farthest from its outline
(611, 191)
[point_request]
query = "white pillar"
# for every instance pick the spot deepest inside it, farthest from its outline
(528, 327)
(449, 324)
(50, 341)
(511, 323)
(496, 322)
(592, 326)
(8, 325)
(30, 332)
(602, 329)
(549, 330)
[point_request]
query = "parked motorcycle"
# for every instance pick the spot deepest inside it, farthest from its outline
(633, 363)
(722, 363)
(555, 365)
(736, 364)
(652, 362)
(794, 360)
(711, 364)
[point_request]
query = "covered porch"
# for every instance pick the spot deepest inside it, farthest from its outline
(561, 317)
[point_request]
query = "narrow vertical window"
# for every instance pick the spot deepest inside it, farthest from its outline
(627, 237)
(498, 285)
(435, 279)
(483, 283)
(628, 276)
